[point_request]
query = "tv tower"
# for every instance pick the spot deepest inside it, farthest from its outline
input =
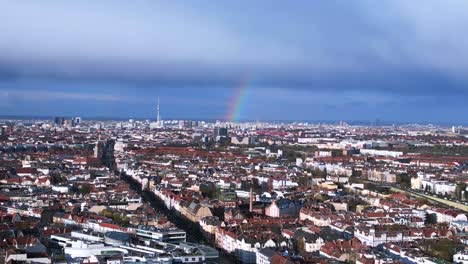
(158, 116)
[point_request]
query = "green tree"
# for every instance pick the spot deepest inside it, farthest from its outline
(431, 219)
(116, 217)
(300, 245)
(404, 180)
(85, 189)
(459, 191)
(209, 190)
(303, 180)
(356, 173)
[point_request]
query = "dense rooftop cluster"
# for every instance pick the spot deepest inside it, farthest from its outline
(122, 192)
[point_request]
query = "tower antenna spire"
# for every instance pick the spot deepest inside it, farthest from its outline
(158, 116)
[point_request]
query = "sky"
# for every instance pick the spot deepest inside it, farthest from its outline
(395, 60)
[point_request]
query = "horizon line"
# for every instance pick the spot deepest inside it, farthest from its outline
(381, 122)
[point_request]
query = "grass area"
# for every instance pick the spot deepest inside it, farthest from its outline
(441, 248)
(433, 198)
(440, 150)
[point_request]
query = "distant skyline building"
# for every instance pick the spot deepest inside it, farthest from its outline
(76, 121)
(220, 132)
(68, 123)
(59, 121)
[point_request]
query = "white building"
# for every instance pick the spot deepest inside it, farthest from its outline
(369, 236)
(438, 186)
(385, 153)
(264, 255)
(82, 249)
(461, 257)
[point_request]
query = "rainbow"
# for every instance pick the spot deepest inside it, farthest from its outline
(236, 106)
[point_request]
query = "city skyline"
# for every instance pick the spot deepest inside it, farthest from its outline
(244, 61)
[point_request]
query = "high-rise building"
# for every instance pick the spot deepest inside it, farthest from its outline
(220, 132)
(59, 121)
(104, 150)
(108, 153)
(76, 121)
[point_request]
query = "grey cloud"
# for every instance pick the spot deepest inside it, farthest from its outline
(396, 46)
